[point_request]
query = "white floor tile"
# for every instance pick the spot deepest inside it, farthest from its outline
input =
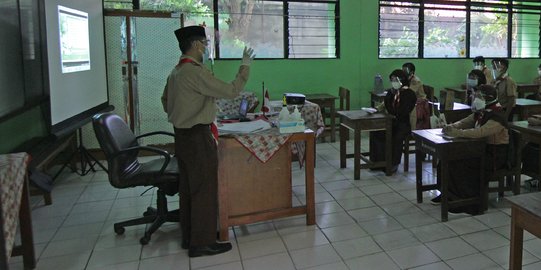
(381, 225)
(466, 225)
(205, 261)
(314, 256)
(334, 219)
(451, 248)
(304, 239)
(501, 256)
(413, 256)
(433, 266)
(344, 232)
(485, 240)
(474, 262)
(432, 232)
(174, 261)
(262, 247)
(380, 261)
(356, 247)
(396, 239)
(270, 262)
(111, 256)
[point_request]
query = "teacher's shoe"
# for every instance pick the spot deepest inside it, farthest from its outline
(213, 249)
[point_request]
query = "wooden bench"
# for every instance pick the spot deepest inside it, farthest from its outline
(45, 150)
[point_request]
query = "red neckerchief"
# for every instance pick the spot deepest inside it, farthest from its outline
(213, 127)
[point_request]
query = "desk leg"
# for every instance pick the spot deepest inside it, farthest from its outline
(333, 122)
(517, 233)
(309, 182)
(343, 153)
(25, 223)
(419, 174)
(444, 191)
(388, 147)
(357, 154)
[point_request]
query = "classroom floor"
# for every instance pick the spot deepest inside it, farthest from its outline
(372, 223)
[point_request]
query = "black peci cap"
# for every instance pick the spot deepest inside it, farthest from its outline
(190, 31)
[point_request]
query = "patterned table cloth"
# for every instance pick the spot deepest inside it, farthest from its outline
(263, 145)
(12, 176)
(232, 106)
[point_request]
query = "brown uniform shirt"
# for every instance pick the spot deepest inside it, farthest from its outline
(494, 131)
(189, 97)
(507, 91)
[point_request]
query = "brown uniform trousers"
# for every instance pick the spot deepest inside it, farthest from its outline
(198, 164)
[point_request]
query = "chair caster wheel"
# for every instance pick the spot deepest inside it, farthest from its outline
(144, 240)
(119, 230)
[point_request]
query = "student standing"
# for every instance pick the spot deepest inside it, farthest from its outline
(189, 99)
(479, 64)
(504, 84)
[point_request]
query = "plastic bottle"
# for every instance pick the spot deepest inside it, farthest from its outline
(378, 84)
(296, 115)
(284, 114)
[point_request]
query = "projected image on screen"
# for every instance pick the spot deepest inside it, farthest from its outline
(74, 40)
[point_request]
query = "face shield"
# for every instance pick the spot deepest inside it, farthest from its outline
(539, 72)
(498, 69)
(478, 65)
(407, 71)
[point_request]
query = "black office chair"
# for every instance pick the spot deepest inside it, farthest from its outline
(125, 171)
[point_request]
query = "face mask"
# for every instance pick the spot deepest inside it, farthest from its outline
(471, 82)
(478, 67)
(396, 85)
(539, 72)
(478, 105)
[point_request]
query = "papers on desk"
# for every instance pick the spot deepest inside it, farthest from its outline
(244, 127)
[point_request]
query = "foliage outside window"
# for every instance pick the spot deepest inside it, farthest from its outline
(274, 28)
(459, 28)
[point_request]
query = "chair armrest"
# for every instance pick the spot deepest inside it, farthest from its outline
(155, 133)
(164, 153)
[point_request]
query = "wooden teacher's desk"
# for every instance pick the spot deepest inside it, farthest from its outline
(251, 191)
(430, 141)
(529, 134)
(525, 215)
(358, 121)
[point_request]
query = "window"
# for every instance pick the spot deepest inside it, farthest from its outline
(274, 28)
(459, 28)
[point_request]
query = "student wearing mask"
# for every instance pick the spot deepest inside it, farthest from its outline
(474, 80)
(189, 99)
(399, 102)
(487, 121)
(504, 84)
(479, 64)
(420, 117)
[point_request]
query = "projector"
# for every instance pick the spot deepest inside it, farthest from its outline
(294, 98)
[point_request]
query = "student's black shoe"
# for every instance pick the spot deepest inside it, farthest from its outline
(458, 211)
(436, 200)
(213, 249)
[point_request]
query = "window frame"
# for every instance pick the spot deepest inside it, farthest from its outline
(286, 30)
(511, 8)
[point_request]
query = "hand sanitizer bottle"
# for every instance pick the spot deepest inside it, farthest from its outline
(296, 115)
(284, 114)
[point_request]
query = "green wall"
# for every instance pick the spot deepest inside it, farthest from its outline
(355, 70)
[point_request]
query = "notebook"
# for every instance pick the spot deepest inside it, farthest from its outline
(241, 115)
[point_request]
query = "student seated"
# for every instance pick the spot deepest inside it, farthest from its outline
(475, 79)
(487, 121)
(399, 101)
